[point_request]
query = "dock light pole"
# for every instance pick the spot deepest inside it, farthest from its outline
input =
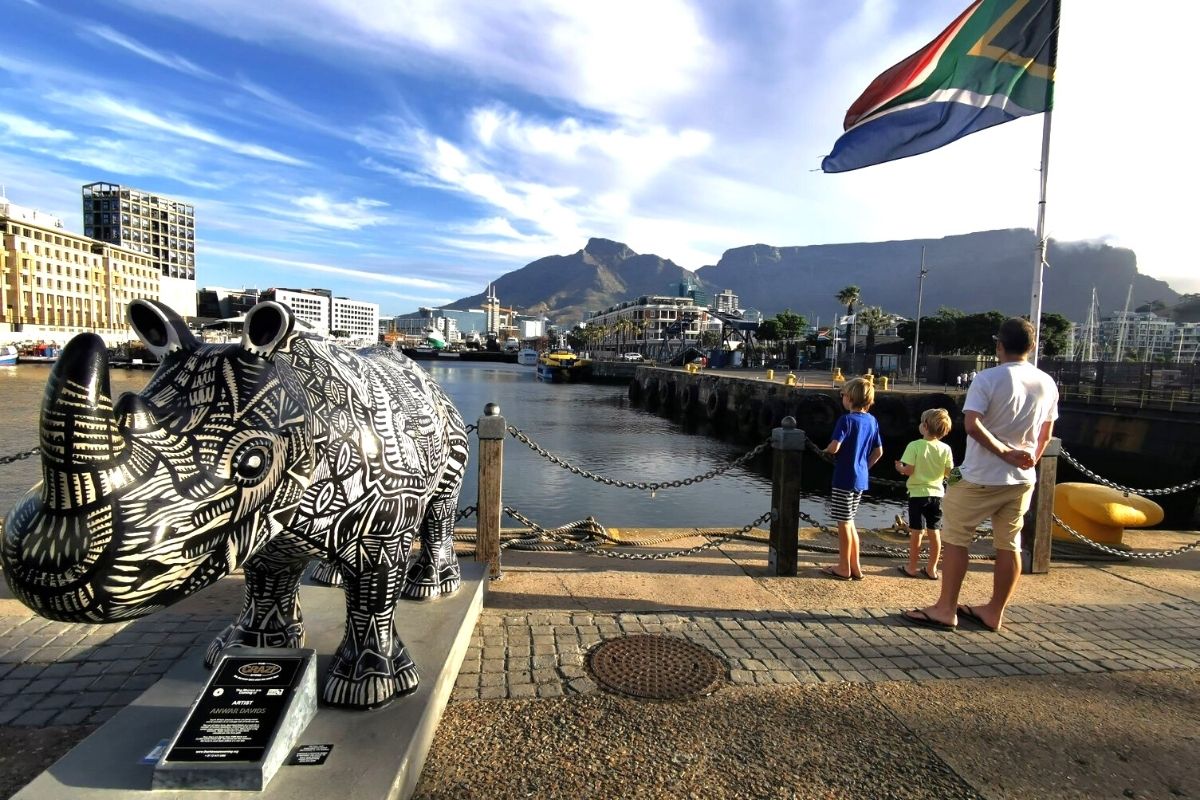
(917, 334)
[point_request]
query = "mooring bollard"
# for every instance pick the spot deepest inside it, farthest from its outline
(1043, 499)
(488, 507)
(788, 443)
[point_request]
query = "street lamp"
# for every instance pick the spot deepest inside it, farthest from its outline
(917, 335)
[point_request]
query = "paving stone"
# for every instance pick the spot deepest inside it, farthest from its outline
(35, 717)
(550, 690)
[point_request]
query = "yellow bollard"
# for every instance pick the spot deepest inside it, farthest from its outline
(791, 379)
(770, 374)
(837, 376)
(883, 383)
(693, 368)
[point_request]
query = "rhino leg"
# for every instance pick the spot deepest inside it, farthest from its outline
(271, 612)
(372, 666)
(435, 571)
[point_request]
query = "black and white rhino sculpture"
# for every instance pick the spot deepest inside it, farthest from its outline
(263, 455)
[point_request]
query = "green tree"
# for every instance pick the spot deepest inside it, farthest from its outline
(1053, 339)
(769, 331)
(791, 325)
(974, 332)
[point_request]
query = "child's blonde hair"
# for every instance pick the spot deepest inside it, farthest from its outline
(936, 422)
(861, 393)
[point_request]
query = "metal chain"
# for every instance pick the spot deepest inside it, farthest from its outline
(472, 428)
(1183, 487)
(19, 456)
(1146, 554)
(520, 436)
(597, 551)
(469, 511)
(829, 459)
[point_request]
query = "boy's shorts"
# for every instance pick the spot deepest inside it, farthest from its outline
(843, 504)
(925, 513)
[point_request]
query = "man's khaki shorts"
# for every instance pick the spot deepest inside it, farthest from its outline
(968, 504)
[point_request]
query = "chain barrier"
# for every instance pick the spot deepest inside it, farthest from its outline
(598, 529)
(467, 512)
(829, 458)
(1113, 551)
(522, 437)
(1183, 487)
(472, 428)
(19, 456)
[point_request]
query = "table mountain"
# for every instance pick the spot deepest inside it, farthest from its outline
(972, 272)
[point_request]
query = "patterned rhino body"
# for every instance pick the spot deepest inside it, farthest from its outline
(264, 455)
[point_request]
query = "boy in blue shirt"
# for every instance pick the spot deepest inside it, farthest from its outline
(857, 446)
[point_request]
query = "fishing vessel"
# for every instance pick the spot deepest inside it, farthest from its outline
(560, 364)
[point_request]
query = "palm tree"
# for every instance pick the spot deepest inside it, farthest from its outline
(876, 319)
(849, 297)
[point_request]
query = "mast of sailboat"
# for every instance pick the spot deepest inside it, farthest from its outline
(1124, 325)
(1035, 302)
(1090, 329)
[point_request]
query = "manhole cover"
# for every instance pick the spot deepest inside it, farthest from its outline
(655, 667)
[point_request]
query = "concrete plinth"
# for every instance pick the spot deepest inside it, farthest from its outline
(376, 754)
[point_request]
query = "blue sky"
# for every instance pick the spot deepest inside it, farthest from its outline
(408, 151)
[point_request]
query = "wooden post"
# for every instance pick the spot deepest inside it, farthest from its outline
(1043, 499)
(489, 505)
(788, 443)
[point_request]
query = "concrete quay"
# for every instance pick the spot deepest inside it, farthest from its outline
(1091, 689)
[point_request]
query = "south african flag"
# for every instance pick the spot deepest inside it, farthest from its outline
(993, 64)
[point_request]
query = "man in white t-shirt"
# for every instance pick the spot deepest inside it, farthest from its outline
(1009, 416)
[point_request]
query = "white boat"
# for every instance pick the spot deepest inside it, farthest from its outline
(8, 356)
(527, 357)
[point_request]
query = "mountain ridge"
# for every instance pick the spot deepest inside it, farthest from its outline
(979, 271)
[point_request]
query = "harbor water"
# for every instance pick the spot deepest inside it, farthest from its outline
(591, 426)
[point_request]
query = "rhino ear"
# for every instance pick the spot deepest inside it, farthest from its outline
(160, 328)
(267, 325)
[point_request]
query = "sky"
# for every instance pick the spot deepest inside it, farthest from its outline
(407, 152)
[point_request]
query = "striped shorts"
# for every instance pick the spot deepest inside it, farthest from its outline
(843, 504)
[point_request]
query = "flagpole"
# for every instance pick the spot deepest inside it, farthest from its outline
(1035, 303)
(917, 334)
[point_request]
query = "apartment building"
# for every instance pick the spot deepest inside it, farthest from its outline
(648, 321)
(54, 284)
(154, 225)
(356, 320)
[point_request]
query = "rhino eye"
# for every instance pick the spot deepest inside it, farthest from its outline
(251, 463)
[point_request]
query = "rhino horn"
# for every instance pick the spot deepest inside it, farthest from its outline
(79, 435)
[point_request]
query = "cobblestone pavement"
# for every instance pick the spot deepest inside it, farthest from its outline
(543, 654)
(58, 673)
(54, 673)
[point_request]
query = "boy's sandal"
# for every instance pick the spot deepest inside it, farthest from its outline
(837, 576)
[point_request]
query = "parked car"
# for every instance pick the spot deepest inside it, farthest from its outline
(632, 357)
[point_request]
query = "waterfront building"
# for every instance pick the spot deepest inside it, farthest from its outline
(54, 284)
(216, 302)
(1141, 336)
(159, 227)
(648, 322)
(357, 321)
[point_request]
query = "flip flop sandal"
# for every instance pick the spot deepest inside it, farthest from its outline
(837, 576)
(918, 617)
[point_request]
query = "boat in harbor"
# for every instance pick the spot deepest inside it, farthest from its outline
(39, 354)
(527, 357)
(8, 356)
(561, 365)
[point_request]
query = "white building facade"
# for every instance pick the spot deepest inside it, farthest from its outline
(358, 320)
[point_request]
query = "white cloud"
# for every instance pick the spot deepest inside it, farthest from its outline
(169, 60)
(357, 275)
(353, 215)
(24, 128)
(111, 112)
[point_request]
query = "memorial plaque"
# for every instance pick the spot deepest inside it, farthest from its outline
(244, 723)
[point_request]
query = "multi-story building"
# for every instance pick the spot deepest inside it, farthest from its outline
(54, 284)
(1144, 336)
(216, 302)
(310, 306)
(648, 322)
(727, 302)
(159, 227)
(355, 320)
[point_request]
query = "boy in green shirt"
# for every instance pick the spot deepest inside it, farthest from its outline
(926, 461)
